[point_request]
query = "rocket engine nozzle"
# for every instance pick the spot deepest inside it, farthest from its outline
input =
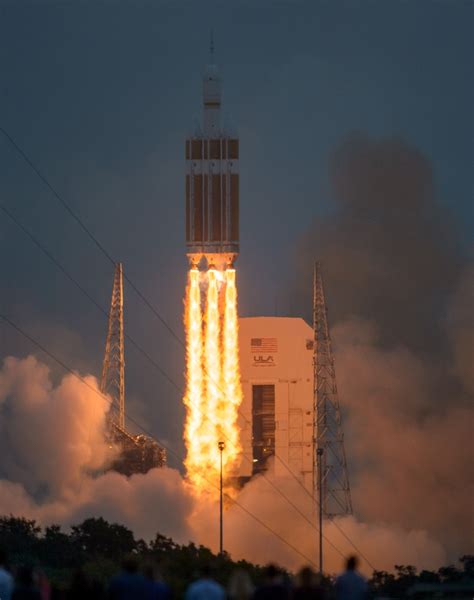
(221, 261)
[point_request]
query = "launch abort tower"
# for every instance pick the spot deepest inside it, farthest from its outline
(212, 183)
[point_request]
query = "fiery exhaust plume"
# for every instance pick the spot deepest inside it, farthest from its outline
(213, 393)
(194, 397)
(232, 399)
(212, 369)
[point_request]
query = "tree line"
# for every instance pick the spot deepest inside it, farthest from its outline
(98, 548)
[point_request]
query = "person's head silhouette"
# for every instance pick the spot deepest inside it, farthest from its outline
(352, 563)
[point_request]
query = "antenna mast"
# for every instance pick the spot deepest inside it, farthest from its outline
(113, 370)
(332, 486)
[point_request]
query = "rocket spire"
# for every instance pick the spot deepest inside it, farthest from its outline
(211, 96)
(211, 46)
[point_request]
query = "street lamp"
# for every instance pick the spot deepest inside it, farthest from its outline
(221, 446)
(320, 452)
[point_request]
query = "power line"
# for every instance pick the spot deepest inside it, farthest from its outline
(142, 297)
(56, 194)
(82, 225)
(293, 474)
(168, 448)
(86, 293)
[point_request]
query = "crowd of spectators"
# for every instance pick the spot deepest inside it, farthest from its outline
(133, 583)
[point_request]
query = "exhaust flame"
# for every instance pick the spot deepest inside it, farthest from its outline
(194, 397)
(213, 393)
(212, 370)
(231, 374)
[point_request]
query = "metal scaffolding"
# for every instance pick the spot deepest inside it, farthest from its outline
(113, 369)
(136, 453)
(330, 477)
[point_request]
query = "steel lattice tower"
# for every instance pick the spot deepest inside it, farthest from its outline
(327, 425)
(113, 369)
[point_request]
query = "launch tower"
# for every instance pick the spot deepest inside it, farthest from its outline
(327, 425)
(138, 453)
(113, 368)
(212, 182)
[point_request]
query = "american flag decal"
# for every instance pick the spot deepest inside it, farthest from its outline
(264, 345)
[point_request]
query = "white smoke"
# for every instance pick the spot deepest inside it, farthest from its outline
(52, 440)
(51, 444)
(383, 545)
(49, 437)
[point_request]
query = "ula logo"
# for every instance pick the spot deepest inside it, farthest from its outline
(260, 360)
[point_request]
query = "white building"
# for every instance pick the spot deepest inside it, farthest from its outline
(276, 355)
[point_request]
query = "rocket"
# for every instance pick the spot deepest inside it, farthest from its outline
(212, 183)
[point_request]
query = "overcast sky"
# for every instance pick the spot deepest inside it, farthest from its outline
(101, 95)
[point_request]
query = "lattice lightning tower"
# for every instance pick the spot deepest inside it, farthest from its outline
(113, 370)
(327, 425)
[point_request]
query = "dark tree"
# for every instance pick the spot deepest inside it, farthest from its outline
(20, 537)
(467, 562)
(97, 537)
(428, 577)
(450, 574)
(58, 549)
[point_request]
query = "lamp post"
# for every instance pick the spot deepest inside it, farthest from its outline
(320, 452)
(221, 446)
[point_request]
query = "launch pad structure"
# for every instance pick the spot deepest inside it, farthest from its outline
(113, 369)
(290, 413)
(137, 453)
(330, 476)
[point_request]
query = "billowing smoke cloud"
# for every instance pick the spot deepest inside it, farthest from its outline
(388, 248)
(54, 450)
(383, 546)
(49, 436)
(460, 326)
(413, 465)
(399, 292)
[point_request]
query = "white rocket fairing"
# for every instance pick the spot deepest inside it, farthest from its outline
(212, 183)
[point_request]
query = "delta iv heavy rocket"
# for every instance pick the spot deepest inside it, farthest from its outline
(213, 389)
(212, 184)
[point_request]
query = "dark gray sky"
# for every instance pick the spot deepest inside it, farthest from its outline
(101, 95)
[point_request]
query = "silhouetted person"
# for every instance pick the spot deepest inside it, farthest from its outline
(25, 588)
(274, 587)
(129, 584)
(79, 587)
(205, 588)
(43, 585)
(308, 587)
(156, 588)
(240, 585)
(6, 579)
(82, 588)
(351, 585)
